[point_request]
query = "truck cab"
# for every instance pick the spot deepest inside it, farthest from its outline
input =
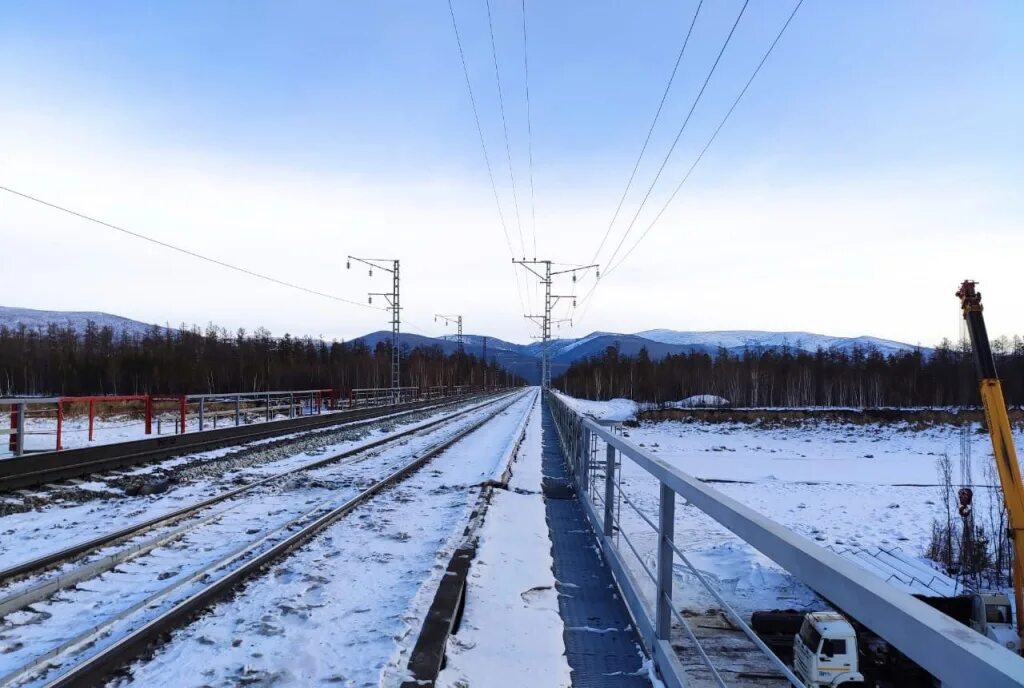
(991, 616)
(825, 651)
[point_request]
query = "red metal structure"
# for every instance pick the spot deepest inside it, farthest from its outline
(91, 400)
(290, 402)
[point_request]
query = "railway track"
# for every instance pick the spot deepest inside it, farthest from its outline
(47, 467)
(161, 589)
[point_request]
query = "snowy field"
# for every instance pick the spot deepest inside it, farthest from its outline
(343, 610)
(94, 506)
(346, 609)
(857, 489)
(41, 431)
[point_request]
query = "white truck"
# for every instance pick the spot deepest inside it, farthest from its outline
(832, 650)
(991, 616)
(825, 651)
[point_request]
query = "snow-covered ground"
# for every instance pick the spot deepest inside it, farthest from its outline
(345, 609)
(41, 429)
(511, 631)
(58, 523)
(853, 488)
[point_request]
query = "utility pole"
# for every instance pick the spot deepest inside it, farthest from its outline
(395, 307)
(457, 319)
(483, 357)
(550, 300)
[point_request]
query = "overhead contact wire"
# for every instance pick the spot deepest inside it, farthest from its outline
(504, 126)
(185, 251)
(711, 140)
(529, 133)
(650, 132)
(588, 297)
(487, 157)
(679, 135)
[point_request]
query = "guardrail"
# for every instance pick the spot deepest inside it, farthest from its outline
(178, 414)
(948, 650)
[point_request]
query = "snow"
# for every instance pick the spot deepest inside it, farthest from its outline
(613, 410)
(698, 401)
(511, 632)
(41, 431)
(345, 609)
(740, 339)
(866, 491)
(52, 526)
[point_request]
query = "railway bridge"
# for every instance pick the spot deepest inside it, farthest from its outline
(489, 537)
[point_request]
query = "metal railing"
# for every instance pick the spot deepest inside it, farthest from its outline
(944, 647)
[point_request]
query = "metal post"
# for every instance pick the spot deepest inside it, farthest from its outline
(584, 460)
(202, 413)
(549, 303)
(12, 439)
(183, 401)
(268, 406)
(92, 417)
(666, 536)
(609, 489)
(545, 371)
(238, 410)
(291, 404)
(149, 414)
(19, 446)
(60, 424)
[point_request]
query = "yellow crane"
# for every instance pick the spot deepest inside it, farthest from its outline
(1002, 437)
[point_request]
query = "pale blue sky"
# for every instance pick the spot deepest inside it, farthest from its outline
(880, 147)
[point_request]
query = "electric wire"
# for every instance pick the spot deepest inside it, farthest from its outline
(185, 251)
(504, 126)
(588, 297)
(711, 139)
(529, 133)
(679, 135)
(487, 157)
(650, 131)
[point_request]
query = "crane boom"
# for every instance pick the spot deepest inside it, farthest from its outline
(1002, 438)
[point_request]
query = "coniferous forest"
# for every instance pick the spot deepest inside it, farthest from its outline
(944, 376)
(63, 361)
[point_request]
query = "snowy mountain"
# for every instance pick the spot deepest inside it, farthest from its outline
(14, 318)
(736, 340)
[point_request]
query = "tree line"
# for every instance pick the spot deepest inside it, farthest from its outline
(859, 377)
(63, 361)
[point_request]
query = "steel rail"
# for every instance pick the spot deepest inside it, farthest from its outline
(66, 554)
(97, 667)
(46, 467)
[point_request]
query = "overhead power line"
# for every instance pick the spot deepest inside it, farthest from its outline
(529, 132)
(504, 126)
(650, 131)
(487, 157)
(679, 135)
(587, 298)
(712, 139)
(187, 252)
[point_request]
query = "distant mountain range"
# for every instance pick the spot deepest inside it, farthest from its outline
(524, 359)
(38, 320)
